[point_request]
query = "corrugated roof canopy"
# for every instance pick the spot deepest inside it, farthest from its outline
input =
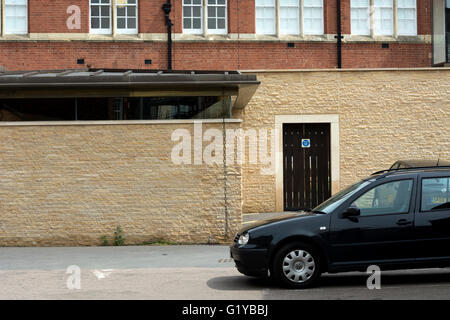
(127, 83)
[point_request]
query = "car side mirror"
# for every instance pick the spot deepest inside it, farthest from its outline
(352, 212)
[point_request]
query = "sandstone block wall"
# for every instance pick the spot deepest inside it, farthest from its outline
(384, 116)
(70, 185)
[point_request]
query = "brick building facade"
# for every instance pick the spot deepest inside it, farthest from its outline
(252, 35)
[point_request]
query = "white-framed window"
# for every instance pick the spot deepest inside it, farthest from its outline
(16, 16)
(100, 16)
(380, 16)
(383, 17)
(313, 16)
(360, 17)
(291, 15)
(265, 15)
(201, 14)
(407, 17)
(193, 16)
(217, 16)
(127, 16)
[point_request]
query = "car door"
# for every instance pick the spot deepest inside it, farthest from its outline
(433, 216)
(384, 230)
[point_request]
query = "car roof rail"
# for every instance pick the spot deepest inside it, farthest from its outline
(381, 171)
(388, 172)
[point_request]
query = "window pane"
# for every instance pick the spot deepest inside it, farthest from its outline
(435, 194)
(211, 23)
(116, 108)
(313, 16)
(221, 24)
(289, 17)
(187, 23)
(16, 17)
(104, 11)
(197, 11)
(187, 12)
(121, 12)
(95, 11)
(95, 23)
(360, 17)
(16, 2)
(105, 23)
(407, 17)
(211, 12)
(383, 17)
(221, 12)
(127, 16)
(100, 16)
(265, 16)
(391, 197)
(131, 11)
(197, 23)
(121, 23)
(192, 16)
(131, 24)
(216, 11)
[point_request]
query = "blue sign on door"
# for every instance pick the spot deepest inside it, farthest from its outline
(306, 143)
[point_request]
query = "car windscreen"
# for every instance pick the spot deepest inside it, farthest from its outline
(340, 197)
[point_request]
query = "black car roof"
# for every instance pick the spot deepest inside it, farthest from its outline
(390, 172)
(418, 163)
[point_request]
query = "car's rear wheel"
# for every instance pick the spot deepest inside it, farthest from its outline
(297, 265)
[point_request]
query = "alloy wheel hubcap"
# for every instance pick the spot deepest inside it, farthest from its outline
(298, 266)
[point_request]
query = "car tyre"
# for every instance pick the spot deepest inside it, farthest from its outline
(297, 265)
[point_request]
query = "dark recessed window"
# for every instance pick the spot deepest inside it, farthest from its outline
(146, 108)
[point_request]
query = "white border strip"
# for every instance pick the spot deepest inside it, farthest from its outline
(112, 122)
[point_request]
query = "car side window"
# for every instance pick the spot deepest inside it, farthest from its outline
(435, 194)
(387, 198)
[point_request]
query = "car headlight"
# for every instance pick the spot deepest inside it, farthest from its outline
(243, 239)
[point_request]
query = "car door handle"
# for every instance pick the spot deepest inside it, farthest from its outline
(403, 222)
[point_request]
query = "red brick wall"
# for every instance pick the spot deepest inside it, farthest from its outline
(151, 16)
(47, 16)
(254, 56)
(396, 56)
(424, 22)
(345, 14)
(204, 56)
(330, 16)
(242, 16)
(61, 55)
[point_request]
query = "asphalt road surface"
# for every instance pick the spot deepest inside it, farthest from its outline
(183, 272)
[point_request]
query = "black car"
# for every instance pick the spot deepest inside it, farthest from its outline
(395, 219)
